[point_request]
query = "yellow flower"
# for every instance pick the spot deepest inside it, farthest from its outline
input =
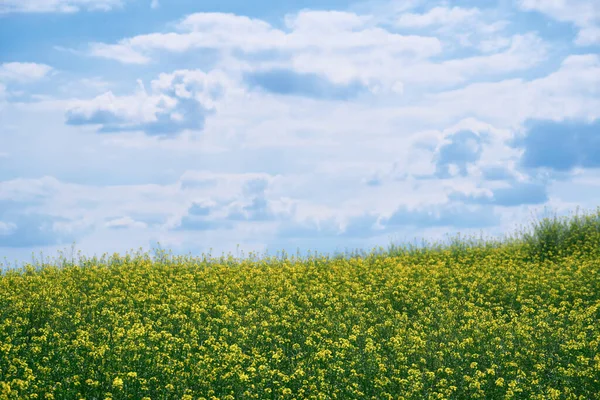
(118, 383)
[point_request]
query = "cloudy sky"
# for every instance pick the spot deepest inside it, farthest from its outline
(322, 125)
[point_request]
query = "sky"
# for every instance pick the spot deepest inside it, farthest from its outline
(229, 126)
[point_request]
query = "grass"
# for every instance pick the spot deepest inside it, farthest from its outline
(502, 318)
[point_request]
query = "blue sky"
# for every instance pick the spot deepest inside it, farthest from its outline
(311, 125)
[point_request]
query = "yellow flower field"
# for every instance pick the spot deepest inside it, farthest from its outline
(513, 320)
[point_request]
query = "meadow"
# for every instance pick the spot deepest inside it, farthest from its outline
(516, 318)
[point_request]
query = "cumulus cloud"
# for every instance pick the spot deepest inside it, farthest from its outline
(210, 209)
(254, 205)
(234, 198)
(202, 30)
(327, 54)
(512, 101)
(353, 46)
(468, 149)
(180, 100)
(246, 200)
(524, 52)
(115, 111)
(331, 30)
(385, 68)
(57, 6)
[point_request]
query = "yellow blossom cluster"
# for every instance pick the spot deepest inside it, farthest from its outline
(479, 322)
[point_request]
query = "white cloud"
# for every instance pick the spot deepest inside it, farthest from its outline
(23, 72)
(84, 87)
(348, 31)
(206, 88)
(296, 164)
(159, 209)
(118, 52)
(417, 157)
(166, 106)
(343, 47)
(585, 14)
(325, 21)
(155, 4)
(345, 32)
(588, 35)
(465, 27)
(438, 16)
(58, 6)
(525, 51)
(573, 91)
(494, 44)
(26, 190)
(200, 30)
(138, 108)
(226, 24)
(125, 222)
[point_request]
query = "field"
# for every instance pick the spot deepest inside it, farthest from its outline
(512, 319)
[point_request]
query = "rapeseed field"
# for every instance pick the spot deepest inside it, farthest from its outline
(511, 319)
